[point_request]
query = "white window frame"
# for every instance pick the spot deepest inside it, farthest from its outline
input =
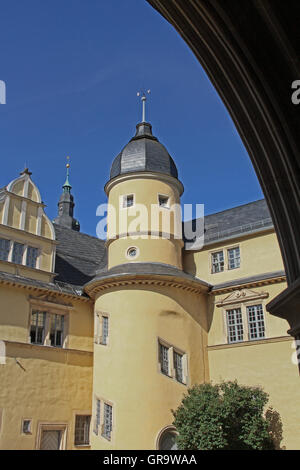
(85, 444)
(123, 200)
(171, 366)
(99, 328)
(99, 427)
(162, 206)
(28, 433)
(36, 307)
(228, 258)
(47, 426)
(243, 306)
(212, 253)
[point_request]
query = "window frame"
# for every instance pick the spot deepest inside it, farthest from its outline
(225, 250)
(172, 350)
(163, 206)
(83, 444)
(98, 427)
(99, 328)
(36, 307)
(124, 198)
(212, 262)
(243, 305)
(228, 257)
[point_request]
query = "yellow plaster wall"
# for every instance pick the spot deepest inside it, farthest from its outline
(269, 365)
(260, 253)
(47, 385)
(15, 310)
(126, 372)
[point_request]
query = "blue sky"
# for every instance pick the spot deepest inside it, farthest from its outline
(72, 70)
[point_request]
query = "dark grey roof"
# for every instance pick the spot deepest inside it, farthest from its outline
(143, 153)
(248, 218)
(249, 280)
(78, 256)
(152, 269)
(62, 287)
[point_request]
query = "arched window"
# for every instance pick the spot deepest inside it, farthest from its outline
(167, 439)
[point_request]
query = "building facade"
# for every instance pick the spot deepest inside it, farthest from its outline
(101, 339)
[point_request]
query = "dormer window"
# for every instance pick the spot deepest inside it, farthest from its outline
(128, 200)
(163, 201)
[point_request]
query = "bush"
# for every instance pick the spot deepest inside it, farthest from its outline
(223, 416)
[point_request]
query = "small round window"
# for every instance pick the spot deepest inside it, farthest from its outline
(132, 252)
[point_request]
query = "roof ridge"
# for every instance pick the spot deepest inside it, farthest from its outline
(78, 233)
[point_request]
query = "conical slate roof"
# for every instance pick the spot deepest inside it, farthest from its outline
(143, 153)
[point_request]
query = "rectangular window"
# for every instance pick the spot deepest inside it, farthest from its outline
(97, 417)
(256, 321)
(37, 328)
(164, 359)
(56, 330)
(82, 430)
(235, 325)
(163, 201)
(4, 249)
(107, 421)
(217, 262)
(128, 200)
(18, 251)
(26, 426)
(31, 257)
(178, 366)
(104, 330)
(234, 260)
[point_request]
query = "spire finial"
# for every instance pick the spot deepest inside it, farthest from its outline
(143, 93)
(67, 187)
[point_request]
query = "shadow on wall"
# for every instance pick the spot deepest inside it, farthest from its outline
(275, 427)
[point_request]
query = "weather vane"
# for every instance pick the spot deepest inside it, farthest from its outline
(143, 93)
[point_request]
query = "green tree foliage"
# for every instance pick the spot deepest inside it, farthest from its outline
(223, 416)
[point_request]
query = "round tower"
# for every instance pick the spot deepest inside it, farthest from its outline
(150, 327)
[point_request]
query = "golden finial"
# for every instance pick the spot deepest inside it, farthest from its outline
(68, 164)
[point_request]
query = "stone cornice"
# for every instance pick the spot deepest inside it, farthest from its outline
(125, 280)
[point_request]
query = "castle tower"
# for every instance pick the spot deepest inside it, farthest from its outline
(66, 206)
(149, 314)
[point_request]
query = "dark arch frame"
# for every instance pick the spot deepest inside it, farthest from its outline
(250, 51)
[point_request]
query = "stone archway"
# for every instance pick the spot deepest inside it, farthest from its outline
(249, 51)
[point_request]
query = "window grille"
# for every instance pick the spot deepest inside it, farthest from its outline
(82, 429)
(18, 251)
(37, 329)
(4, 249)
(107, 421)
(164, 359)
(178, 359)
(97, 417)
(217, 262)
(104, 329)
(256, 323)
(235, 325)
(234, 260)
(31, 257)
(56, 330)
